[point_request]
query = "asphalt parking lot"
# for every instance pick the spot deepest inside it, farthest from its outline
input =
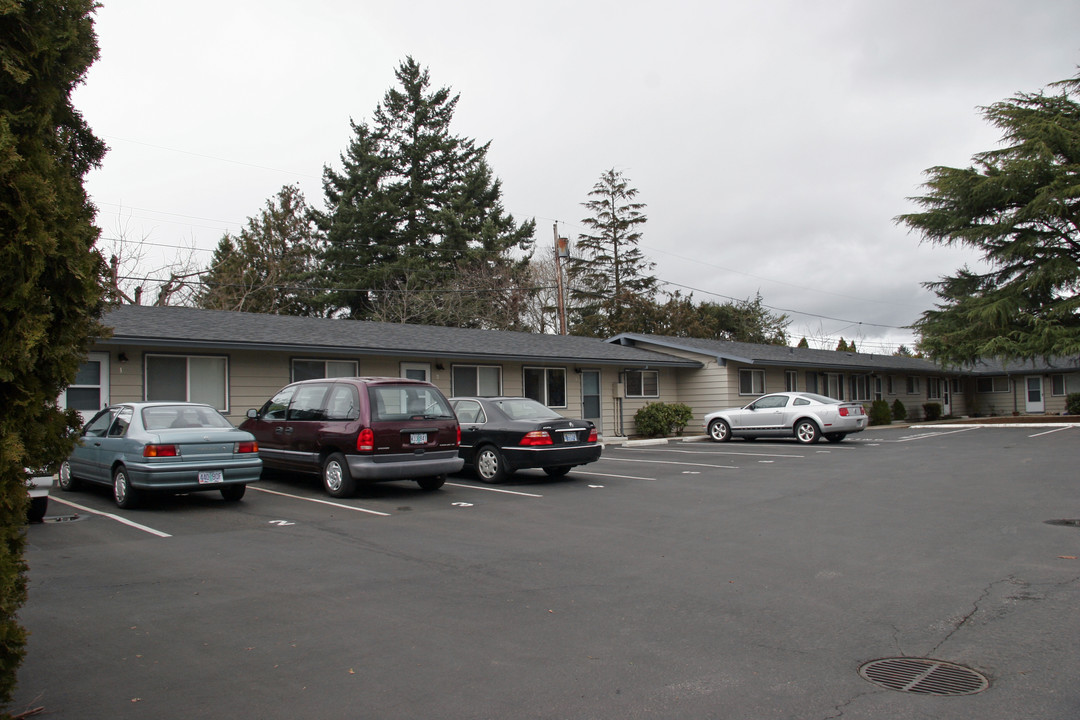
(689, 580)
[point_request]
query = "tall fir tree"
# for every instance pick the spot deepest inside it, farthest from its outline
(612, 288)
(50, 272)
(413, 209)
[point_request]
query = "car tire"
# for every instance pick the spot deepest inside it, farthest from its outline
(835, 437)
(490, 464)
(431, 483)
(38, 507)
(719, 431)
(337, 480)
(233, 493)
(806, 431)
(65, 480)
(125, 496)
(558, 471)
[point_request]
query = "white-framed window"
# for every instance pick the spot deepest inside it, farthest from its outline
(478, 380)
(834, 386)
(188, 378)
(1057, 385)
(995, 384)
(416, 371)
(546, 385)
(313, 369)
(877, 387)
(643, 383)
(890, 384)
(751, 382)
(933, 388)
(913, 387)
(860, 387)
(791, 380)
(957, 386)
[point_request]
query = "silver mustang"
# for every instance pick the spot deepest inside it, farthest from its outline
(805, 416)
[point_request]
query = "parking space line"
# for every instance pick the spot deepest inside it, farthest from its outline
(731, 452)
(672, 462)
(117, 518)
(321, 502)
(1047, 432)
(924, 436)
(495, 490)
(623, 477)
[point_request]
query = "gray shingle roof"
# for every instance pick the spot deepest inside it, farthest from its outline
(782, 355)
(149, 326)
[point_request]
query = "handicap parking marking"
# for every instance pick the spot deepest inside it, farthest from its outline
(111, 516)
(320, 501)
(494, 490)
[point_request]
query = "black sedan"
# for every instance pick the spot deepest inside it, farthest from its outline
(502, 434)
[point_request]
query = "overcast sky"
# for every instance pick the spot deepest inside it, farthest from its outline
(773, 142)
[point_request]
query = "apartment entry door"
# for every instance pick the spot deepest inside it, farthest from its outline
(590, 397)
(1033, 399)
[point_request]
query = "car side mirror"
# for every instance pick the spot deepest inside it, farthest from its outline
(253, 414)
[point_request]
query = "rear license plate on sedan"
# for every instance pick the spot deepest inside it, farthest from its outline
(570, 437)
(418, 438)
(211, 476)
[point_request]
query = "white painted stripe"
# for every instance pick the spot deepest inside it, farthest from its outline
(495, 490)
(117, 518)
(671, 462)
(1050, 431)
(624, 477)
(321, 502)
(925, 436)
(731, 452)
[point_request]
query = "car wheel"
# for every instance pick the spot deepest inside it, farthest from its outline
(337, 479)
(835, 437)
(490, 464)
(719, 431)
(806, 432)
(66, 481)
(232, 493)
(125, 496)
(557, 472)
(431, 483)
(38, 507)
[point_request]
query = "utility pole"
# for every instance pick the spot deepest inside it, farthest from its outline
(562, 249)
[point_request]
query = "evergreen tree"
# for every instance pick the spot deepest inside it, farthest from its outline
(609, 274)
(412, 209)
(267, 267)
(50, 296)
(841, 346)
(803, 343)
(1020, 208)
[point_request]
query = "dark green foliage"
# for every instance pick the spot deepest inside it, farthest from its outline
(661, 419)
(931, 411)
(50, 299)
(1020, 208)
(1072, 404)
(899, 410)
(841, 346)
(414, 229)
(264, 268)
(803, 343)
(880, 413)
(610, 285)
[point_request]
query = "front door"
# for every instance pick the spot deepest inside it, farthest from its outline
(946, 397)
(1033, 400)
(590, 397)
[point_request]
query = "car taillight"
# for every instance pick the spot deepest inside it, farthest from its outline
(365, 441)
(458, 444)
(843, 412)
(592, 435)
(246, 447)
(537, 437)
(160, 451)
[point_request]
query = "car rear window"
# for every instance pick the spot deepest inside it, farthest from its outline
(161, 417)
(407, 402)
(526, 409)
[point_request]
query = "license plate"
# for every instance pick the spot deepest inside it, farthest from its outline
(570, 437)
(211, 476)
(418, 438)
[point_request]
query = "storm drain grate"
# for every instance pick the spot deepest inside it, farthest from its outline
(923, 676)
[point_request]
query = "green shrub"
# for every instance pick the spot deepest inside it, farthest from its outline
(880, 413)
(660, 419)
(932, 411)
(1072, 403)
(899, 411)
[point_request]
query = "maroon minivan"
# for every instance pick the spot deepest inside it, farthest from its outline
(359, 430)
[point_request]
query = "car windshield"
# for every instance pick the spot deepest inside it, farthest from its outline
(526, 409)
(164, 417)
(820, 398)
(406, 402)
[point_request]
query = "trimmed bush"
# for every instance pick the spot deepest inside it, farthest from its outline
(932, 411)
(660, 419)
(1072, 403)
(880, 413)
(899, 411)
